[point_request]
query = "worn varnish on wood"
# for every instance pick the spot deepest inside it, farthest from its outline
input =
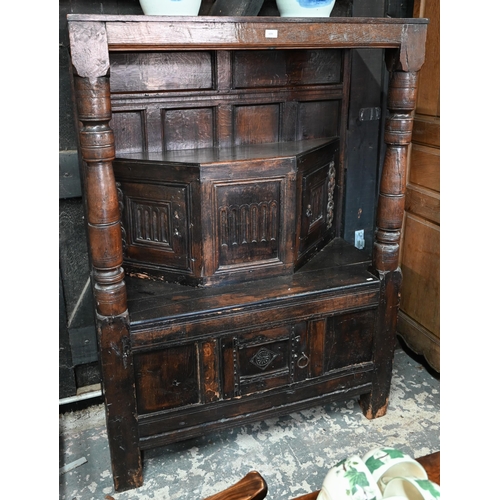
(198, 135)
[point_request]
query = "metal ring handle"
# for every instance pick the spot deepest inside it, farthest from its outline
(300, 361)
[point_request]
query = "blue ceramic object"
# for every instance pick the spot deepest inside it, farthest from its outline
(305, 8)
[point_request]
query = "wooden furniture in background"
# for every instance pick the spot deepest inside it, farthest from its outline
(418, 320)
(214, 155)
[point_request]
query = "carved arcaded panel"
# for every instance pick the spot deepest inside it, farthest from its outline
(154, 223)
(249, 222)
(151, 223)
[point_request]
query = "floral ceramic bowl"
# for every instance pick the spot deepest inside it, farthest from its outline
(349, 479)
(386, 463)
(412, 489)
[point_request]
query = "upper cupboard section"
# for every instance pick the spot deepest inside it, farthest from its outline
(166, 101)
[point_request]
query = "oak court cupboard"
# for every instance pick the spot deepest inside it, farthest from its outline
(213, 168)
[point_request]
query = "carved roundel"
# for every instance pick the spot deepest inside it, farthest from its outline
(263, 358)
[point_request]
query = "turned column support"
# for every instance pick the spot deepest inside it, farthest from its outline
(103, 215)
(90, 59)
(391, 203)
(403, 66)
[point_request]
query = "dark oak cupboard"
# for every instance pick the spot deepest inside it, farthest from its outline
(213, 164)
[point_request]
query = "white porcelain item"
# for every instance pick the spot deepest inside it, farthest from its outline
(170, 7)
(305, 8)
(386, 463)
(412, 489)
(350, 479)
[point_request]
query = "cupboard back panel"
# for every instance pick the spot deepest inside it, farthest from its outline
(279, 68)
(205, 99)
(129, 131)
(160, 71)
(188, 128)
(256, 124)
(318, 119)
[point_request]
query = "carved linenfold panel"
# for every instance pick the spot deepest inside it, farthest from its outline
(151, 223)
(154, 224)
(246, 224)
(249, 222)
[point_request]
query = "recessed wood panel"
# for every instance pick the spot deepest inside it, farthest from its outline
(160, 71)
(421, 278)
(289, 67)
(349, 339)
(128, 128)
(166, 379)
(256, 124)
(318, 119)
(428, 100)
(188, 128)
(426, 130)
(423, 202)
(424, 167)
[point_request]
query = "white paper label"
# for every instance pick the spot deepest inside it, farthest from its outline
(271, 33)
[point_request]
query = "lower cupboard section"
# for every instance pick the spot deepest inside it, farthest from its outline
(170, 427)
(183, 390)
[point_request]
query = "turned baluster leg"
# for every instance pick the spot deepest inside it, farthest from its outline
(104, 234)
(390, 212)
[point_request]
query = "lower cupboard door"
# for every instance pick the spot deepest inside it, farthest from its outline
(167, 378)
(257, 361)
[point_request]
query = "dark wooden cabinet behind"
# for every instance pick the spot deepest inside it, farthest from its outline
(213, 165)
